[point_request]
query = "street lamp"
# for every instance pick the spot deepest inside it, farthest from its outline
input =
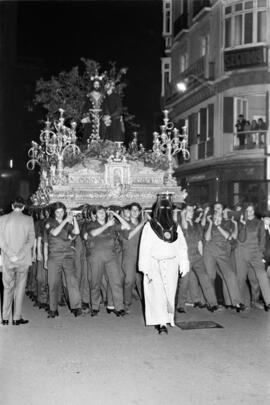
(182, 85)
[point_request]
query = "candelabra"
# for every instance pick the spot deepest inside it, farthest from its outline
(169, 143)
(37, 156)
(56, 141)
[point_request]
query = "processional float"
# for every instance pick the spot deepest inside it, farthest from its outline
(107, 173)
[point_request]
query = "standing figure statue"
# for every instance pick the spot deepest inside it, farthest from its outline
(112, 114)
(92, 112)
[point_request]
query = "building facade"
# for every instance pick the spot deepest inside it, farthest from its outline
(220, 50)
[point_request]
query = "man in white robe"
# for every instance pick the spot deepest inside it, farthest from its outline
(163, 255)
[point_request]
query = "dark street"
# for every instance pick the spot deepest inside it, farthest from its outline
(110, 360)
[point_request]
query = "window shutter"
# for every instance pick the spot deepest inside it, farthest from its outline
(211, 121)
(192, 129)
(228, 126)
(203, 123)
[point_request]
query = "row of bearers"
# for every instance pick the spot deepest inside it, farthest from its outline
(163, 253)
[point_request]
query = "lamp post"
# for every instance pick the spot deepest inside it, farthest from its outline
(169, 143)
(182, 85)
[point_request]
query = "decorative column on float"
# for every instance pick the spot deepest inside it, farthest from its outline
(169, 143)
(56, 141)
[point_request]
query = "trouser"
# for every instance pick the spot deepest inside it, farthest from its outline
(84, 282)
(55, 268)
(182, 291)
(102, 263)
(105, 281)
(194, 289)
(14, 281)
(131, 278)
(252, 258)
(32, 279)
(42, 283)
(220, 262)
(207, 287)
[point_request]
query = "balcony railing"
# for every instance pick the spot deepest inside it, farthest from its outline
(181, 23)
(255, 139)
(199, 5)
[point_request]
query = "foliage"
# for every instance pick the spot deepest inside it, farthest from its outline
(68, 90)
(102, 150)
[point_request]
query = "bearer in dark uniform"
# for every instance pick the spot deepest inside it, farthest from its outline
(217, 252)
(130, 243)
(101, 238)
(193, 234)
(61, 231)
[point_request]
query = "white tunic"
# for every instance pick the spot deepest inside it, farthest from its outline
(160, 262)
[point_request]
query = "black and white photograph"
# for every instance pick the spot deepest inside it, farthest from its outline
(134, 202)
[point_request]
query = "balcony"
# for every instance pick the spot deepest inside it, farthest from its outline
(249, 140)
(181, 23)
(198, 69)
(199, 6)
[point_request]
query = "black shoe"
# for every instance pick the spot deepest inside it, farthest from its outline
(85, 306)
(52, 314)
(77, 312)
(240, 307)
(199, 305)
(110, 310)
(267, 307)
(162, 329)
(94, 312)
(212, 308)
(181, 310)
(120, 313)
(4, 322)
(20, 322)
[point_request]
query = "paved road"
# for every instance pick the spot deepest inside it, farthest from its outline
(109, 360)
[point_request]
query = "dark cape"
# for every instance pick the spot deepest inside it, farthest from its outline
(112, 106)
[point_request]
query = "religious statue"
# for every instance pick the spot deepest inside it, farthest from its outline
(112, 114)
(92, 111)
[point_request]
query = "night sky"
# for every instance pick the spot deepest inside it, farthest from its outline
(128, 32)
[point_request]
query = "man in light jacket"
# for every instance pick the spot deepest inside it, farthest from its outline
(17, 235)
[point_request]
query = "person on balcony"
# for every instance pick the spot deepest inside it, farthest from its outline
(253, 137)
(262, 127)
(240, 127)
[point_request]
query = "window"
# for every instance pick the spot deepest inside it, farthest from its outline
(166, 76)
(245, 23)
(183, 62)
(205, 45)
(167, 18)
(261, 26)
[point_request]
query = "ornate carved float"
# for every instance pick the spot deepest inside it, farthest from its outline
(118, 180)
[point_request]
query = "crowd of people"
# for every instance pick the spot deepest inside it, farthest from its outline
(250, 133)
(167, 258)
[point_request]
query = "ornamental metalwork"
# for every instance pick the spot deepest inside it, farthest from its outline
(169, 143)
